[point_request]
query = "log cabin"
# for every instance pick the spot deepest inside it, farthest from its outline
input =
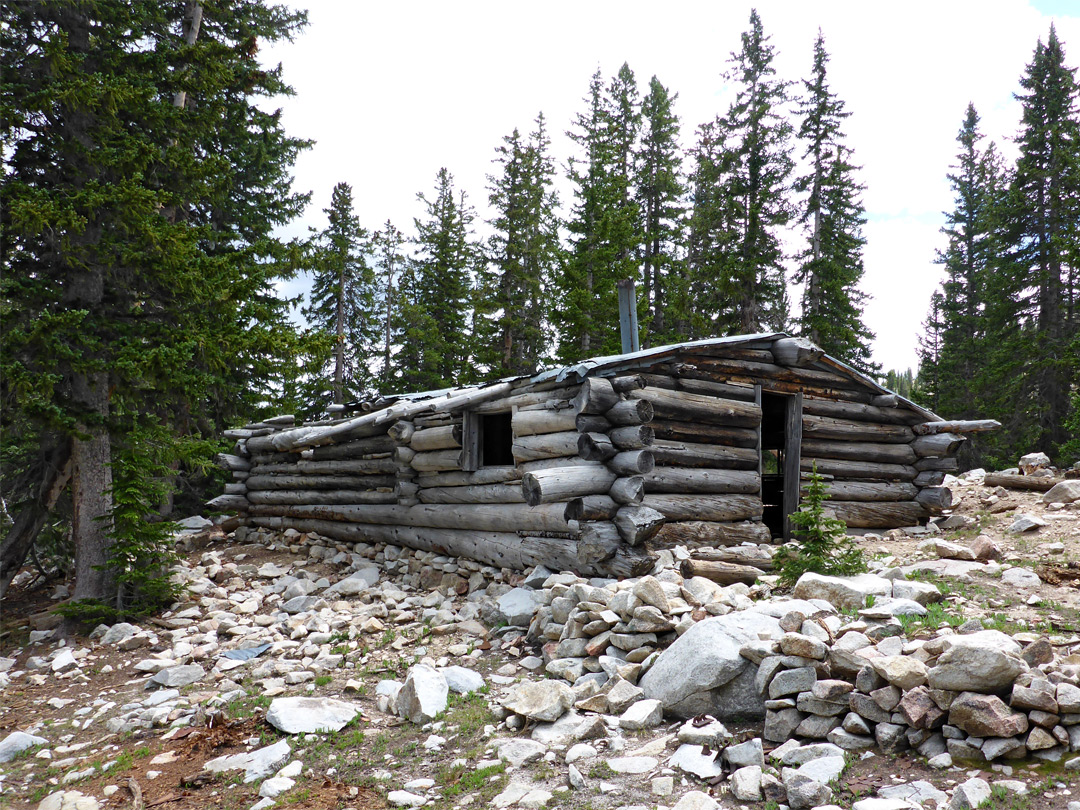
(592, 466)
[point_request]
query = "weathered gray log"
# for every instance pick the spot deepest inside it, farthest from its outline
(280, 482)
(948, 464)
(703, 433)
(886, 401)
(702, 480)
(404, 455)
(353, 449)
(319, 497)
(596, 396)
(683, 377)
(956, 426)
(597, 542)
(227, 461)
(860, 412)
(760, 557)
(880, 514)
(407, 493)
(748, 369)
(564, 483)
(240, 475)
(495, 517)
(935, 499)
(628, 490)
(699, 408)
(556, 463)
(436, 460)
(456, 478)
(343, 466)
(628, 382)
(859, 451)
(696, 533)
(1029, 482)
(533, 397)
(721, 573)
(870, 491)
(719, 508)
(630, 412)
(437, 438)
(592, 423)
(401, 432)
(637, 524)
(929, 478)
(595, 447)
(533, 423)
(482, 493)
(632, 437)
(825, 427)
(797, 352)
(228, 503)
(938, 444)
(591, 507)
(632, 462)
(236, 489)
(859, 469)
(692, 454)
(545, 445)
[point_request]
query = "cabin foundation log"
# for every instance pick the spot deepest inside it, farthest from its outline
(879, 515)
(483, 493)
(938, 444)
(839, 468)
(719, 508)
(721, 573)
(704, 434)
(860, 412)
(859, 451)
(629, 490)
(596, 396)
(637, 524)
(564, 483)
(540, 422)
(436, 438)
(591, 507)
(698, 533)
(289, 497)
(433, 461)
(870, 491)
(818, 428)
(467, 517)
(632, 462)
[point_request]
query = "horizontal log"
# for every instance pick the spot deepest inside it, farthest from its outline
(697, 533)
(591, 507)
(228, 503)
(630, 412)
(938, 444)
(1028, 482)
(703, 433)
(886, 400)
(929, 478)
(556, 463)
(564, 483)
(401, 432)
(771, 371)
(956, 426)
(628, 490)
(685, 377)
(693, 454)
(470, 517)
(596, 396)
(685, 406)
(839, 468)
(524, 399)
(719, 508)
(637, 524)
(796, 352)
(826, 427)
(457, 478)
(859, 451)
(935, 499)
(279, 482)
(597, 542)
(757, 556)
(353, 449)
(545, 445)
(320, 497)
(407, 492)
(437, 438)
(227, 461)
(343, 466)
(236, 489)
(482, 493)
(592, 423)
(627, 382)
(533, 423)
(702, 480)
(721, 573)
(947, 464)
(860, 412)
(632, 462)
(879, 515)
(869, 491)
(596, 447)
(349, 432)
(632, 437)
(436, 460)
(404, 455)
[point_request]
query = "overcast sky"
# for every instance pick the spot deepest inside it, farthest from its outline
(391, 92)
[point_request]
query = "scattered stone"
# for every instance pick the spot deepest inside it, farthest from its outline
(178, 676)
(520, 752)
(256, 764)
(693, 759)
(545, 701)
(970, 795)
(1025, 523)
(308, 715)
(642, 715)
(746, 784)
(986, 716)
(16, 742)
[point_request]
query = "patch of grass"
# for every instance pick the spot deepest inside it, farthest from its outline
(322, 680)
(354, 739)
(460, 780)
(470, 713)
(246, 706)
(601, 770)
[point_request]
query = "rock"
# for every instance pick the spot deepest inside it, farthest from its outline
(307, 715)
(580, 751)
(642, 715)
(919, 709)
(824, 769)
(574, 778)
(1039, 740)
(69, 800)
(423, 696)
(356, 582)
(903, 671)
(300, 604)
(986, 716)
(703, 672)
(692, 759)
(1040, 651)
(275, 786)
(1063, 492)
(518, 606)
(462, 680)
(622, 695)
(649, 590)
(804, 792)
(16, 742)
(633, 765)
(1068, 698)
(1025, 523)
(891, 737)
(177, 676)
(696, 800)
(803, 646)
(792, 682)
(403, 798)
(780, 725)
(952, 551)
(842, 592)
(940, 761)
(985, 548)
(977, 663)
(970, 795)
(886, 804)
(257, 764)
(545, 701)
(713, 734)
(746, 784)
(1020, 578)
(663, 786)
(924, 593)
(1024, 697)
(518, 752)
(1033, 462)
(750, 752)
(842, 738)
(118, 632)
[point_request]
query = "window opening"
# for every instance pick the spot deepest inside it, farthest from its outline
(496, 440)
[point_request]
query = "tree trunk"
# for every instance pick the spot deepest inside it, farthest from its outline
(91, 491)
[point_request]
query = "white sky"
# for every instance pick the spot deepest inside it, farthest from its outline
(391, 92)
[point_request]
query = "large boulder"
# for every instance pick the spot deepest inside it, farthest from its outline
(1063, 492)
(545, 701)
(842, 592)
(308, 715)
(986, 716)
(703, 672)
(988, 661)
(423, 696)
(16, 742)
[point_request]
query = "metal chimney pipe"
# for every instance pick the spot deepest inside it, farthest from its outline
(628, 328)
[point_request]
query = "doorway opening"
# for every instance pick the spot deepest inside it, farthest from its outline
(774, 410)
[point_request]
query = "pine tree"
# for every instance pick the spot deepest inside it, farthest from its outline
(390, 263)
(929, 351)
(436, 292)
(660, 194)
(523, 256)
(342, 299)
(831, 265)
(749, 154)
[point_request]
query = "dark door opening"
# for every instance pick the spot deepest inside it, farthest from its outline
(774, 411)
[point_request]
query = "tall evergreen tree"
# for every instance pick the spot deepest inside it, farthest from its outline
(831, 265)
(660, 194)
(390, 263)
(436, 292)
(523, 255)
(753, 171)
(343, 295)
